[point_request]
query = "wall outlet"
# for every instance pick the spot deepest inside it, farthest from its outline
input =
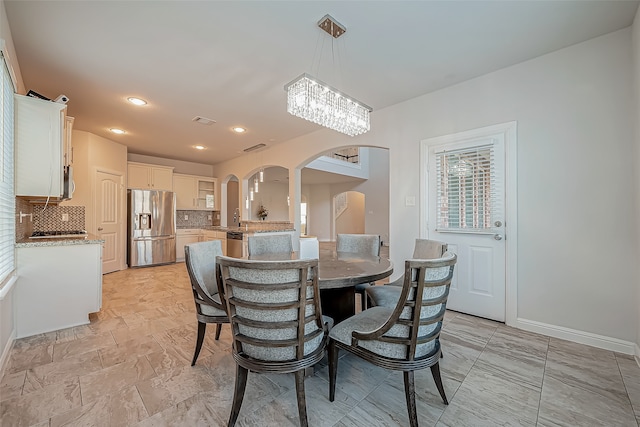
(209, 217)
(65, 217)
(186, 217)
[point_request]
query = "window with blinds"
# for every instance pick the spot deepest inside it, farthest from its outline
(466, 183)
(7, 197)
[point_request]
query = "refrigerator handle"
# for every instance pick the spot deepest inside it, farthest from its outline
(154, 238)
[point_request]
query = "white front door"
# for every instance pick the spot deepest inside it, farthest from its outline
(109, 219)
(466, 209)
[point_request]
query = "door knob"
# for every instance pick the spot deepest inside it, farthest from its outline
(497, 236)
(99, 228)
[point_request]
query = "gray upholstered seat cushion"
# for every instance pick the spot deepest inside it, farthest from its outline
(371, 319)
(384, 296)
(207, 310)
(328, 321)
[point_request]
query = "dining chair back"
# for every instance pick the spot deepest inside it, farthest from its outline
(270, 244)
(362, 244)
(276, 321)
(200, 260)
(405, 337)
(389, 294)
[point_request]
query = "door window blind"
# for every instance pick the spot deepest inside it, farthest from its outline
(7, 195)
(466, 183)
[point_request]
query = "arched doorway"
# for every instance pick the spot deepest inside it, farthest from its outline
(348, 209)
(231, 201)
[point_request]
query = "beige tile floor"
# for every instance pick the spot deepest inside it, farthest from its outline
(131, 366)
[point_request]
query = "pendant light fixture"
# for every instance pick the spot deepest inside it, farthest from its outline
(317, 102)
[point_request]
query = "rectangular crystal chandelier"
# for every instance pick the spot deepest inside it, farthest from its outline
(317, 102)
(313, 100)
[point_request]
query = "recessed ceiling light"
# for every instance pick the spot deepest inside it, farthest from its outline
(238, 129)
(116, 130)
(136, 101)
(199, 147)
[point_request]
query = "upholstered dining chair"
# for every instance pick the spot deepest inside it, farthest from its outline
(276, 321)
(200, 259)
(363, 244)
(388, 295)
(269, 244)
(405, 337)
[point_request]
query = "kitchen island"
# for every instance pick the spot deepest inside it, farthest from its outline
(59, 283)
(234, 239)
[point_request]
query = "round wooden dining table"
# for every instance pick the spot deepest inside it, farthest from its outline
(338, 274)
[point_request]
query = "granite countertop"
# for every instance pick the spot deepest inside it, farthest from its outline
(90, 239)
(236, 229)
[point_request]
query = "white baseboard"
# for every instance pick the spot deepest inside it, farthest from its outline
(6, 350)
(581, 337)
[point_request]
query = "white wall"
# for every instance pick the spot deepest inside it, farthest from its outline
(577, 237)
(636, 95)
(352, 219)
(273, 195)
(319, 217)
(7, 294)
(188, 168)
(376, 191)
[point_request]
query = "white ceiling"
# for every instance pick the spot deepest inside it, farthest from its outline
(229, 60)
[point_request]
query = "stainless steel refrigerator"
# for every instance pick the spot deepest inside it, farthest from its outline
(151, 227)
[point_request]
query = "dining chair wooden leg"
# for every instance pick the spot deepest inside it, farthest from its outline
(218, 330)
(302, 403)
(238, 393)
(410, 394)
(435, 371)
(333, 368)
(202, 327)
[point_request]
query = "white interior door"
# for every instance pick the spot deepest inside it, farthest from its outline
(466, 209)
(108, 219)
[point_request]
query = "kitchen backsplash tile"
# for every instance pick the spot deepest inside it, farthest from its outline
(196, 219)
(50, 219)
(25, 228)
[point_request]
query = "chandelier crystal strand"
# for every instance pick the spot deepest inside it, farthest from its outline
(312, 100)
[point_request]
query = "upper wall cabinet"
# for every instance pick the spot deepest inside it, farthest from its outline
(194, 192)
(42, 146)
(149, 177)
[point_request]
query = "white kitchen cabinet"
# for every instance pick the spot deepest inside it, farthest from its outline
(186, 189)
(194, 192)
(185, 236)
(57, 288)
(206, 193)
(216, 235)
(149, 177)
(68, 147)
(40, 144)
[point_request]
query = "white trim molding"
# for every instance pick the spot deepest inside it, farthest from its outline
(509, 131)
(580, 337)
